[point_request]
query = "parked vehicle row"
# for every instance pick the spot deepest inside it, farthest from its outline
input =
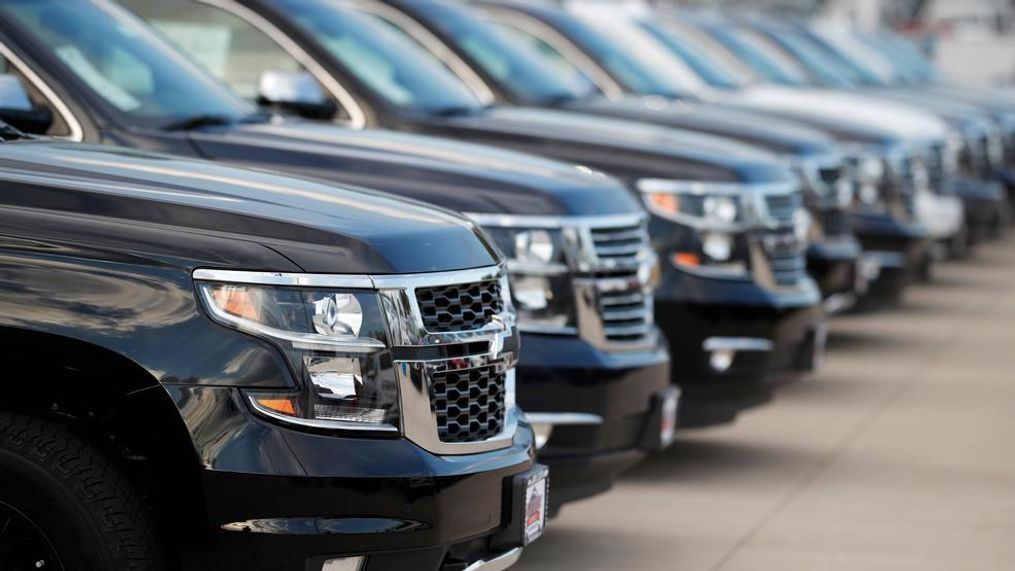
(384, 284)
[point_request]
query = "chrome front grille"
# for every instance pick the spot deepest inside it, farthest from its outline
(469, 403)
(455, 373)
(782, 208)
(459, 307)
(937, 167)
(623, 303)
(788, 268)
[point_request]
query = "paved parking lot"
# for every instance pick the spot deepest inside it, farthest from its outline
(899, 455)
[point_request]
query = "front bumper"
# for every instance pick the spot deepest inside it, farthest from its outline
(893, 252)
(767, 336)
(277, 498)
(599, 412)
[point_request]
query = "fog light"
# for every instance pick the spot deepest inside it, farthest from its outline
(543, 434)
(721, 360)
(344, 564)
(532, 292)
(719, 247)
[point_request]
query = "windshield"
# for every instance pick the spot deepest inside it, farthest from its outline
(392, 66)
(908, 62)
(710, 70)
(838, 48)
(823, 68)
(141, 80)
(517, 66)
(628, 66)
(755, 54)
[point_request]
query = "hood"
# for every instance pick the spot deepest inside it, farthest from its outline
(778, 136)
(624, 148)
(838, 107)
(165, 205)
(459, 176)
(956, 114)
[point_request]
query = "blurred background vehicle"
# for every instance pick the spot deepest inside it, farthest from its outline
(879, 143)
(486, 57)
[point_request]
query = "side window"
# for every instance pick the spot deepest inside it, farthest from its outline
(58, 127)
(232, 49)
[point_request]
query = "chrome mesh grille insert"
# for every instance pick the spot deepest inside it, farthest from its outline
(469, 403)
(623, 307)
(461, 307)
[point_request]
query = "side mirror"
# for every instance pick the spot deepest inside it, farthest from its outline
(295, 92)
(16, 107)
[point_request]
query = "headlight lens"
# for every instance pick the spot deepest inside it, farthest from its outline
(692, 203)
(334, 343)
(871, 170)
(697, 210)
(869, 177)
(541, 282)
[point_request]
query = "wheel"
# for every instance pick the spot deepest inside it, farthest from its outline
(65, 506)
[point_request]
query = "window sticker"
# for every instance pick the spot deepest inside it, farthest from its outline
(207, 43)
(84, 69)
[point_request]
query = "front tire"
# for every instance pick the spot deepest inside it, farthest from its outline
(65, 505)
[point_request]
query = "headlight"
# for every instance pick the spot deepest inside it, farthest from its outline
(697, 204)
(871, 170)
(541, 282)
(334, 343)
(716, 212)
(869, 179)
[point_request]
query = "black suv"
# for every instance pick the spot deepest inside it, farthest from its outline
(212, 366)
(734, 299)
(596, 377)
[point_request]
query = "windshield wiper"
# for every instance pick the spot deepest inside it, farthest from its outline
(458, 111)
(558, 100)
(198, 121)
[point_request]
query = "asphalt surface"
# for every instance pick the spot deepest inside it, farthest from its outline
(898, 455)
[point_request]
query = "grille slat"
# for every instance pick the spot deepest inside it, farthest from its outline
(460, 307)
(469, 403)
(624, 234)
(628, 330)
(782, 208)
(614, 251)
(639, 314)
(788, 268)
(634, 299)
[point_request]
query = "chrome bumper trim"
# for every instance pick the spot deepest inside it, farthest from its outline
(737, 344)
(498, 563)
(563, 418)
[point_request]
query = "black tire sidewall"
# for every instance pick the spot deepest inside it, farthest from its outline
(53, 507)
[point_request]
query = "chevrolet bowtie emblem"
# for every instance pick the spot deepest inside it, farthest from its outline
(497, 343)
